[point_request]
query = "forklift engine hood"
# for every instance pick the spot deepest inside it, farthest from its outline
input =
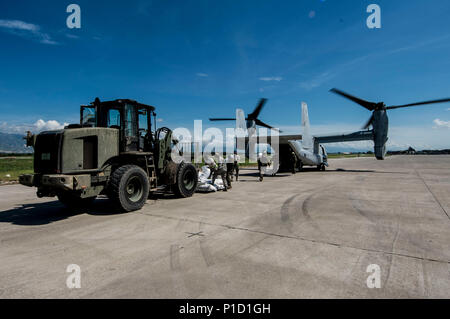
(74, 150)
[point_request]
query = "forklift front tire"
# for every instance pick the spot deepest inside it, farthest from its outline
(187, 179)
(129, 187)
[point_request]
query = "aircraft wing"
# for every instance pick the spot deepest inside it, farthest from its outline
(285, 138)
(350, 137)
(282, 139)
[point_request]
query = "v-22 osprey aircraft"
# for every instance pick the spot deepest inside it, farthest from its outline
(304, 149)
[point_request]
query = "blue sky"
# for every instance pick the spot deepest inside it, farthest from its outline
(197, 59)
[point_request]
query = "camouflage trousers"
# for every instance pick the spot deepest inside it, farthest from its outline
(221, 172)
(260, 169)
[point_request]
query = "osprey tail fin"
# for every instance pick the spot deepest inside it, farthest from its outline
(307, 139)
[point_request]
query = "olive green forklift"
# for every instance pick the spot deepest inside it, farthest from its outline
(114, 151)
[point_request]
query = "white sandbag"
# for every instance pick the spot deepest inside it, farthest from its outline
(271, 169)
(205, 184)
(206, 188)
(203, 174)
(205, 170)
(219, 185)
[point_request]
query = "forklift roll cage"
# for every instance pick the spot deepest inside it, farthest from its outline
(133, 137)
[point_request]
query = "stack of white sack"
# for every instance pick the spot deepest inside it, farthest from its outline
(271, 169)
(205, 184)
(203, 174)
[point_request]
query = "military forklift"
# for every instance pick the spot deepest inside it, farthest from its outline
(114, 151)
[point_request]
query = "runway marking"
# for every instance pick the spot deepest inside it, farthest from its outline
(177, 272)
(308, 194)
(361, 209)
(329, 243)
(200, 234)
(434, 196)
(175, 257)
(285, 208)
(392, 256)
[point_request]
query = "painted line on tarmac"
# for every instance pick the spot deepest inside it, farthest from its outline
(329, 243)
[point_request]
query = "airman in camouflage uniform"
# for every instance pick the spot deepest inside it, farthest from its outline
(263, 161)
(217, 167)
(294, 162)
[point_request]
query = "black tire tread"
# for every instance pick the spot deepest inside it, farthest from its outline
(114, 188)
(178, 188)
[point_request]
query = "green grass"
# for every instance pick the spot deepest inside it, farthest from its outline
(15, 166)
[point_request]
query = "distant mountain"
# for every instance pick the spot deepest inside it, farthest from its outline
(343, 149)
(13, 143)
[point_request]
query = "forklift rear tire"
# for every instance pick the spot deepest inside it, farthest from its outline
(129, 187)
(187, 179)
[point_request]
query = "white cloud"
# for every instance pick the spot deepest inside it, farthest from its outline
(325, 76)
(317, 81)
(415, 45)
(17, 24)
(72, 36)
(202, 75)
(39, 126)
(26, 30)
(50, 125)
(160, 120)
(439, 123)
(271, 78)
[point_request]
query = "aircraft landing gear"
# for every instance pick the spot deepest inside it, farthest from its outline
(321, 167)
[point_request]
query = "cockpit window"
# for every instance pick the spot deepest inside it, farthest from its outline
(130, 120)
(88, 117)
(114, 118)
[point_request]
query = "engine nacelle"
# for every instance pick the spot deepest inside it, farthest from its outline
(380, 125)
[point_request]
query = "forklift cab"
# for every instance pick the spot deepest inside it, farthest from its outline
(133, 119)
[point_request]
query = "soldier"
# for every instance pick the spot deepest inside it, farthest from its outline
(237, 159)
(230, 168)
(209, 161)
(294, 162)
(263, 161)
(217, 168)
(233, 166)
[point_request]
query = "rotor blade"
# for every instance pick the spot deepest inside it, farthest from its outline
(366, 104)
(369, 122)
(261, 123)
(222, 119)
(419, 103)
(257, 110)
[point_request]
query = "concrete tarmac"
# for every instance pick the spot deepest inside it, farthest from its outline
(311, 235)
